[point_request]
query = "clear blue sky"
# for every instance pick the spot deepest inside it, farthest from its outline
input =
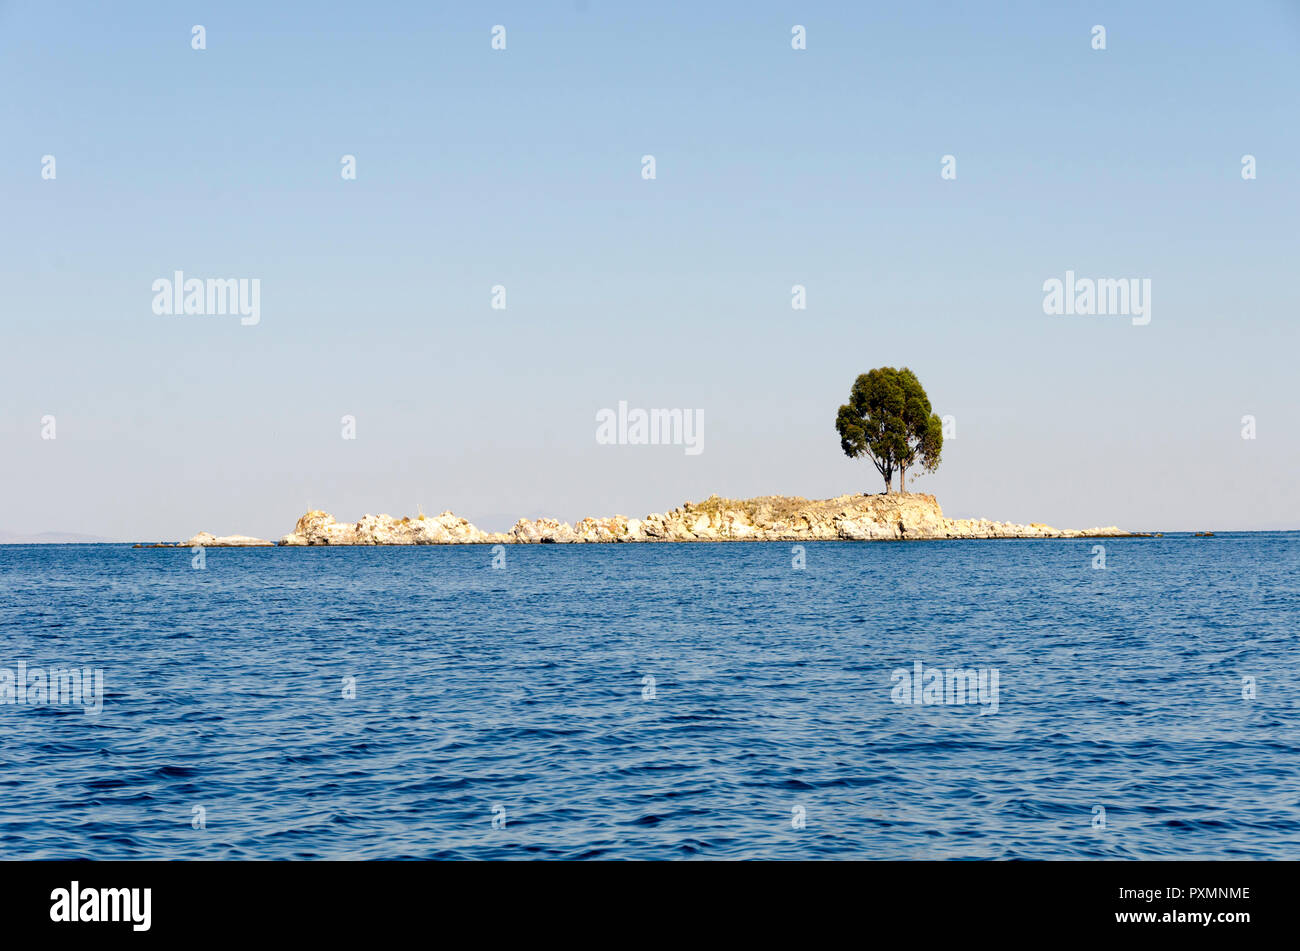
(522, 167)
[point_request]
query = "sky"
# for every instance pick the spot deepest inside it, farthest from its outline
(522, 168)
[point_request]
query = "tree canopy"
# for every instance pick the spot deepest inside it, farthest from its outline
(888, 419)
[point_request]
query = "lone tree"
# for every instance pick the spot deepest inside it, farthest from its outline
(888, 419)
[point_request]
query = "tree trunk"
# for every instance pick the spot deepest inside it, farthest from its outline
(902, 480)
(889, 487)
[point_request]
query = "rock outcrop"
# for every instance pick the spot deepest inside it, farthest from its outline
(896, 517)
(320, 528)
(208, 540)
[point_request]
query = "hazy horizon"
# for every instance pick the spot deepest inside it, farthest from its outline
(522, 168)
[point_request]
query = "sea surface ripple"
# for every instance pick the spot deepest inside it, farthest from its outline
(506, 713)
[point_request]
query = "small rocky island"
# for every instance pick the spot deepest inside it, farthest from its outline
(888, 420)
(890, 516)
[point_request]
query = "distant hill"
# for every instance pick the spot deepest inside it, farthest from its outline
(50, 538)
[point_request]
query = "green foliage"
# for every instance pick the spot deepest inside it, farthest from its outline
(888, 419)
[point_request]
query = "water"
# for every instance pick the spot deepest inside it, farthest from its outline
(519, 695)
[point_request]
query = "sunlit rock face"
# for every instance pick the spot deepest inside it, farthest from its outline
(208, 540)
(889, 517)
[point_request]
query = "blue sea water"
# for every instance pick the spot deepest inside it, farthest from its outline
(506, 712)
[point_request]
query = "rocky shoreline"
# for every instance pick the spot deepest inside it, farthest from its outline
(884, 517)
